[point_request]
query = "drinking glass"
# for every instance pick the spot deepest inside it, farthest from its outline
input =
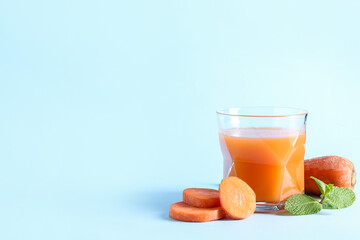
(265, 146)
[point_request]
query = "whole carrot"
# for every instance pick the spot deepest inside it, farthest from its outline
(330, 169)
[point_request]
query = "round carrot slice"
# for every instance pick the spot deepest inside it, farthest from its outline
(201, 197)
(237, 198)
(183, 212)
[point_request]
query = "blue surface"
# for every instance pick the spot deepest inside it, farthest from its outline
(108, 109)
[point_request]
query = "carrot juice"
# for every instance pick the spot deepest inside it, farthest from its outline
(270, 160)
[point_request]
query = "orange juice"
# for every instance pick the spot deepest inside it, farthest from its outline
(270, 160)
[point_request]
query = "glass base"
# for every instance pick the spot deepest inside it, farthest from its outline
(269, 206)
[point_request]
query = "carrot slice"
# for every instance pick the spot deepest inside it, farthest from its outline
(201, 197)
(237, 198)
(183, 212)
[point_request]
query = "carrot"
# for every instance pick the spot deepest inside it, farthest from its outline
(183, 212)
(237, 198)
(329, 169)
(201, 197)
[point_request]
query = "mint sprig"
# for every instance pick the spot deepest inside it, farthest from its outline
(339, 197)
(321, 185)
(332, 197)
(301, 204)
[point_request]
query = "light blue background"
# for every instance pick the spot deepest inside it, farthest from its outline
(108, 109)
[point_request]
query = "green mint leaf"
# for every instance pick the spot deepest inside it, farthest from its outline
(339, 197)
(328, 188)
(320, 184)
(301, 204)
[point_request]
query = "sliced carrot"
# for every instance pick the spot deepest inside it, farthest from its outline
(183, 212)
(329, 169)
(237, 198)
(201, 197)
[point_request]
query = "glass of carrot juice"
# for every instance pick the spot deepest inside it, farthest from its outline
(265, 146)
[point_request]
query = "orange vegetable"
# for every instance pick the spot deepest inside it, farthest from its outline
(183, 212)
(201, 197)
(237, 198)
(329, 169)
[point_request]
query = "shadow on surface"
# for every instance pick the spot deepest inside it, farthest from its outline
(284, 213)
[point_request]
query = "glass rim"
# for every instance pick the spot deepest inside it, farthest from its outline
(295, 111)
